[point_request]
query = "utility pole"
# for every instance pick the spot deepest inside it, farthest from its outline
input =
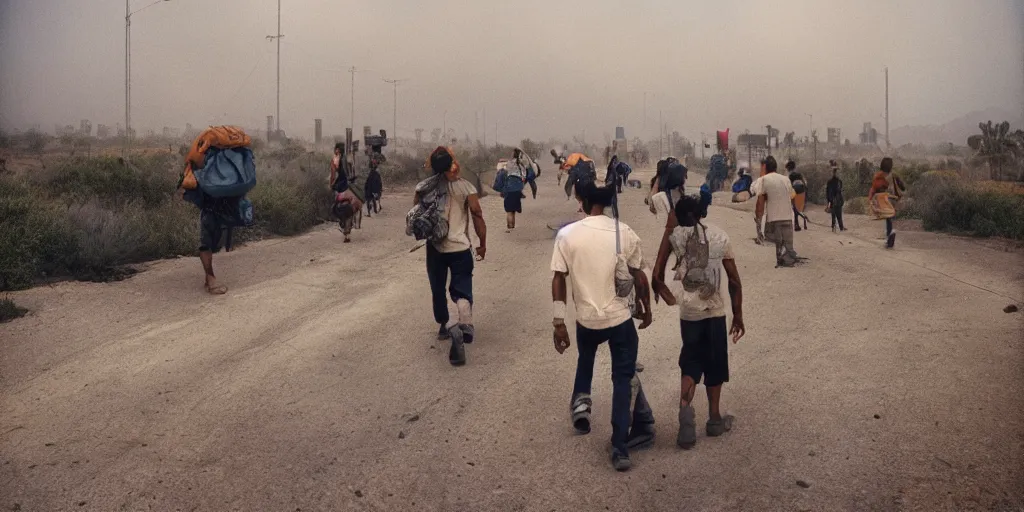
(485, 127)
(128, 74)
(352, 113)
(395, 83)
(277, 37)
(887, 145)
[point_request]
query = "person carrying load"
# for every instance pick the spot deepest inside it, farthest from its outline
(219, 171)
(347, 203)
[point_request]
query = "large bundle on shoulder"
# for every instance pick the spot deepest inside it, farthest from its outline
(220, 170)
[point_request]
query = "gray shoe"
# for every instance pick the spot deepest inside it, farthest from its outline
(687, 428)
(716, 428)
(442, 333)
(620, 461)
(467, 332)
(580, 411)
(457, 354)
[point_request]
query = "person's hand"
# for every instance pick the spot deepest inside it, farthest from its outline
(661, 290)
(561, 338)
(737, 330)
(644, 314)
(481, 253)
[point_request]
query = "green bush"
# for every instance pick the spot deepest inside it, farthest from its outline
(10, 311)
(945, 203)
(150, 180)
(36, 239)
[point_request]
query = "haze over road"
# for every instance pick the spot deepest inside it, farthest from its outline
(884, 380)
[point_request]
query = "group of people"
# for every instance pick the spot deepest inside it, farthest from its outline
(602, 258)
(349, 200)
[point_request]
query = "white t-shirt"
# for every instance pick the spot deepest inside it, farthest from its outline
(661, 204)
(779, 192)
(457, 213)
(586, 251)
(691, 306)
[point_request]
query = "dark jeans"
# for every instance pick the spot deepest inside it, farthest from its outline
(622, 342)
(888, 227)
(438, 265)
(837, 216)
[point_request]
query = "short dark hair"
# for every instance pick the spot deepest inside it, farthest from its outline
(593, 194)
(688, 205)
(790, 165)
(770, 164)
(441, 160)
(886, 164)
(340, 146)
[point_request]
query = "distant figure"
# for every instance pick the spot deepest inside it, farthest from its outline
(618, 173)
(510, 182)
(834, 197)
(580, 171)
(741, 188)
(347, 205)
(373, 189)
(775, 200)
(885, 188)
(800, 200)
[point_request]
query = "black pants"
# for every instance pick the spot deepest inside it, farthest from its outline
(460, 264)
(837, 216)
(622, 342)
(888, 227)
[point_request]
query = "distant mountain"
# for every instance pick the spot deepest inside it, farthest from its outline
(955, 131)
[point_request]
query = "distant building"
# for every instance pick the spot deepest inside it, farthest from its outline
(102, 131)
(869, 135)
(85, 128)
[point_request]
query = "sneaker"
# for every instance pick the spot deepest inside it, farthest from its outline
(580, 413)
(890, 241)
(620, 460)
(442, 333)
(715, 428)
(640, 436)
(467, 333)
(687, 437)
(457, 354)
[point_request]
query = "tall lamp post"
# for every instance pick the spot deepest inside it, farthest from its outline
(128, 73)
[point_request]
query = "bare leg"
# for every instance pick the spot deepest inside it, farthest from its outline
(206, 257)
(686, 391)
(510, 220)
(714, 400)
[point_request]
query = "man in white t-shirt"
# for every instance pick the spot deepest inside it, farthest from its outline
(703, 253)
(587, 251)
(775, 203)
(453, 254)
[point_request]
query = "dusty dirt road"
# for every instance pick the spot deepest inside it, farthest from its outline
(879, 380)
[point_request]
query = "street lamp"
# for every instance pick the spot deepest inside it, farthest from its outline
(127, 73)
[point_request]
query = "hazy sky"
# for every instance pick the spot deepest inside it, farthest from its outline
(540, 68)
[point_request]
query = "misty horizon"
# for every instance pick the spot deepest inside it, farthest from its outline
(537, 70)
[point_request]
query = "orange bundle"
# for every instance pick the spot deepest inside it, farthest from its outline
(222, 137)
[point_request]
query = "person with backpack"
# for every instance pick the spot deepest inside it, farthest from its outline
(703, 253)
(444, 206)
(347, 205)
(219, 171)
(510, 182)
(800, 200)
(373, 189)
(617, 174)
(604, 258)
(580, 171)
(834, 197)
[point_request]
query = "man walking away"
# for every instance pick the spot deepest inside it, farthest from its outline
(702, 253)
(834, 197)
(775, 200)
(458, 204)
(617, 174)
(604, 259)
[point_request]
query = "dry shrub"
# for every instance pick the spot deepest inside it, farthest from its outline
(946, 203)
